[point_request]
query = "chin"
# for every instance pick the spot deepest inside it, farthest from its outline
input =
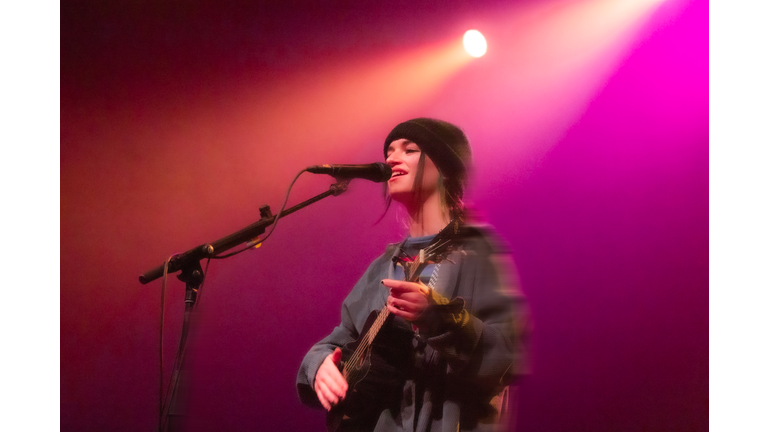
(399, 195)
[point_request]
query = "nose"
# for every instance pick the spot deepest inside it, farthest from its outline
(395, 157)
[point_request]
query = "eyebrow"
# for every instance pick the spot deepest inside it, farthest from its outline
(405, 144)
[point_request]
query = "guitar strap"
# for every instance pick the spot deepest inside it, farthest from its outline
(433, 279)
(451, 231)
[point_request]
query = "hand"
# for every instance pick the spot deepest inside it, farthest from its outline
(406, 299)
(330, 385)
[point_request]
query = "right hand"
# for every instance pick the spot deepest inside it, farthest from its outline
(330, 385)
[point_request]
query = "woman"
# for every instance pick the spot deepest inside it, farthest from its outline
(458, 336)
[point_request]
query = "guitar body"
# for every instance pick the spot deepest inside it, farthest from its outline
(376, 375)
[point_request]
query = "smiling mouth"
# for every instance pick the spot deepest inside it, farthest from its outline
(397, 174)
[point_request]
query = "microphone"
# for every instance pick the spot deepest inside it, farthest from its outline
(375, 172)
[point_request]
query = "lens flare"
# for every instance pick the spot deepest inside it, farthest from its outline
(474, 43)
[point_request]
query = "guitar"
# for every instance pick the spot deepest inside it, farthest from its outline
(375, 368)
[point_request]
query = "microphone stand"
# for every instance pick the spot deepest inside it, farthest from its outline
(192, 275)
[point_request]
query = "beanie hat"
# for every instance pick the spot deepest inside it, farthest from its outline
(443, 142)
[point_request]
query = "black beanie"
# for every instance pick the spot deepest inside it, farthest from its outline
(443, 142)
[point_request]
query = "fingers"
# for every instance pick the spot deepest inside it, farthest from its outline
(404, 303)
(401, 287)
(333, 384)
(406, 299)
(336, 356)
(323, 394)
(326, 396)
(409, 309)
(401, 312)
(330, 385)
(334, 379)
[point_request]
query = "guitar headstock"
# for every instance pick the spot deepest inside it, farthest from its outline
(437, 252)
(443, 245)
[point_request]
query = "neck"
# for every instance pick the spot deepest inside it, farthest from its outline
(428, 218)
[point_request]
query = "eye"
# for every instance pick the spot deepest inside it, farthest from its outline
(411, 150)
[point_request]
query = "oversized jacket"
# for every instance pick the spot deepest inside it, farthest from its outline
(471, 342)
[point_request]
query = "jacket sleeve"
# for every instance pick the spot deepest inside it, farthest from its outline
(340, 336)
(483, 332)
(354, 311)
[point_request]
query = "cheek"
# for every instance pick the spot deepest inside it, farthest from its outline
(431, 176)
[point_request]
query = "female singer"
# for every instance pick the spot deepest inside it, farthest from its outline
(457, 340)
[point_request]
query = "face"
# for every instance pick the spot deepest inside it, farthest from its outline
(403, 156)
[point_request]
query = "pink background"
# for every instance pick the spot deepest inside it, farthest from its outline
(589, 122)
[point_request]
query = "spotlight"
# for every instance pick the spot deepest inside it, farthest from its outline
(474, 43)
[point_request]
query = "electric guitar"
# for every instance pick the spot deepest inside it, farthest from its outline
(375, 368)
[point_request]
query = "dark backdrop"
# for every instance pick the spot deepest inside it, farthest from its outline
(590, 131)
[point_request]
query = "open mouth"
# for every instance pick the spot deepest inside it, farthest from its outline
(397, 173)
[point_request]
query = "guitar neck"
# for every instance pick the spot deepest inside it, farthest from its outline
(376, 326)
(412, 270)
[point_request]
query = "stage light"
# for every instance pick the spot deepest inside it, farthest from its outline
(474, 43)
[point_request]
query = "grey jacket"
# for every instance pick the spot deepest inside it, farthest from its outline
(472, 342)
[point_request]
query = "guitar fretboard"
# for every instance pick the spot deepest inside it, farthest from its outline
(412, 270)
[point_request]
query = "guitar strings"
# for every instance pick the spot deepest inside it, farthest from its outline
(412, 268)
(375, 327)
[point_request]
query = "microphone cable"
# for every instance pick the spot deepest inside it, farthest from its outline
(252, 244)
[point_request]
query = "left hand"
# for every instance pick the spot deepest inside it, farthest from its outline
(406, 299)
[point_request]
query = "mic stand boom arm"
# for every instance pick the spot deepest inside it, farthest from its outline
(194, 255)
